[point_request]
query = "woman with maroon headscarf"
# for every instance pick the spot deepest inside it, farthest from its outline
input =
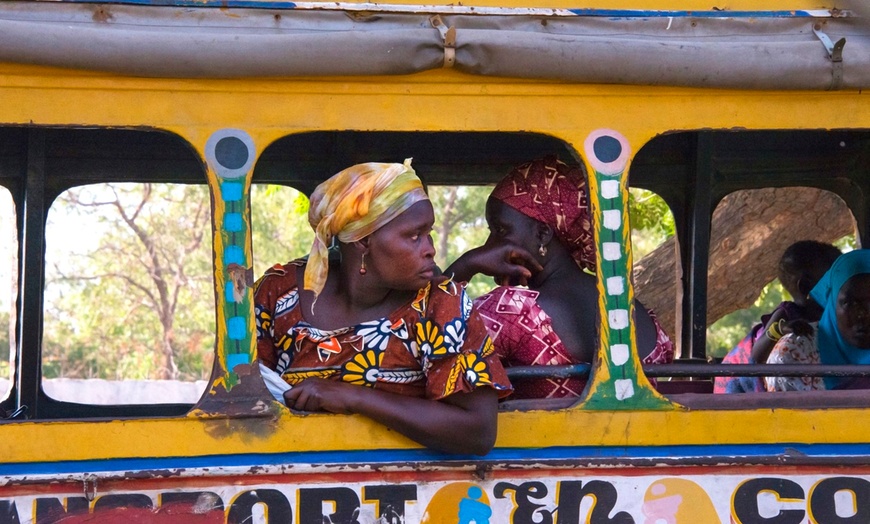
(541, 237)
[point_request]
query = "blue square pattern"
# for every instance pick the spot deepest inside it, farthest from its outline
(234, 359)
(233, 222)
(234, 255)
(236, 328)
(231, 191)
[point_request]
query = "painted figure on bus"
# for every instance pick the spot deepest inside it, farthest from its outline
(378, 332)
(842, 335)
(541, 237)
(801, 267)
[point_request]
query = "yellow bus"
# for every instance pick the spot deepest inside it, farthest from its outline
(211, 109)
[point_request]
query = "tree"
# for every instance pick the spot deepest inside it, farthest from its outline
(750, 231)
(150, 260)
(279, 224)
(460, 224)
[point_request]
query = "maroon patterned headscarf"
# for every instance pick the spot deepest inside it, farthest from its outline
(554, 193)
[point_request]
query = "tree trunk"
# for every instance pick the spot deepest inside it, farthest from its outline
(750, 231)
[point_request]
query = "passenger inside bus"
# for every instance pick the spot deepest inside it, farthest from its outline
(376, 333)
(842, 336)
(801, 267)
(541, 237)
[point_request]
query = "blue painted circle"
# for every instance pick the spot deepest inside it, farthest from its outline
(475, 492)
(230, 152)
(607, 149)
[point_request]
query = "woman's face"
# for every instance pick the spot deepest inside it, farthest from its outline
(401, 253)
(507, 225)
(853, 311)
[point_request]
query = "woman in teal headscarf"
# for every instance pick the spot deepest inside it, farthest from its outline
(842, 336)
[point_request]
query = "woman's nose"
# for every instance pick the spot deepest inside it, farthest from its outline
(862, 311)
(429, 247)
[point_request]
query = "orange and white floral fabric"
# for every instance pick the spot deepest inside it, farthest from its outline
(432, 347)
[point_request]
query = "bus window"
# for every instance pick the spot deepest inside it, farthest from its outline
(460, 225)
(8, 286)
(654, 253)
(279, 225)
(772, 220)
(129, 315)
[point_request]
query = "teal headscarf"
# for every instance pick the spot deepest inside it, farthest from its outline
(833, 349)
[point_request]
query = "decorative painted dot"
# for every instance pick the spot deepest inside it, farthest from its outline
(607, 149)
(231, 191)
(619, 354)
(236, 327)
(615, 286)
(234, 255)
(231, 153)
(609, 189)
(234, 359)
(624, 388)
(611, 251)
(233, 222)
(617, 318)
(612, 219)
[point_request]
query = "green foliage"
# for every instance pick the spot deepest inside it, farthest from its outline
(5, 349)
(460, 224)
(652, 222)
(847, 243)
(279, 226)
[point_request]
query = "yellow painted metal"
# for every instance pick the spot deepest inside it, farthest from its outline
(197, 437)
(437, 100)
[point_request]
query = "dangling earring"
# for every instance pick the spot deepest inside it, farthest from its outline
(362, 267)
(542, 250)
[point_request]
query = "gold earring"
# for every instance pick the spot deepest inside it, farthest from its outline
(542, 250)
(362, 267)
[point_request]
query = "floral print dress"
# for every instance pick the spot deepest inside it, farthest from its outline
(432, 347)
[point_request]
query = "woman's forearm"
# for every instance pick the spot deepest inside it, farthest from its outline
(463, 423)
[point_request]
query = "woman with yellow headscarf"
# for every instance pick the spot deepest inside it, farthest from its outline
(378, 333)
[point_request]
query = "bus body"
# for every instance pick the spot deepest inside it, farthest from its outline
(690, 101)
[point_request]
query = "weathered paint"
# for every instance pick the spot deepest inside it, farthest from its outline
(551, 9)
(230, 155)
(705, 496)
(617, 380)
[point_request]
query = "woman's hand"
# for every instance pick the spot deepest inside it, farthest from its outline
(800, 328)
(318, 394)
(460, 423)
(508, 263)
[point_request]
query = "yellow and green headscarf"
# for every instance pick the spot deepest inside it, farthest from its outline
(352, 205)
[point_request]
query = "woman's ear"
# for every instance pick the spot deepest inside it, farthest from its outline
(544, 234)
(805, 286)
(362, 245)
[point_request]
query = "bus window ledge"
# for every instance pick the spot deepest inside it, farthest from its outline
(855, 398)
